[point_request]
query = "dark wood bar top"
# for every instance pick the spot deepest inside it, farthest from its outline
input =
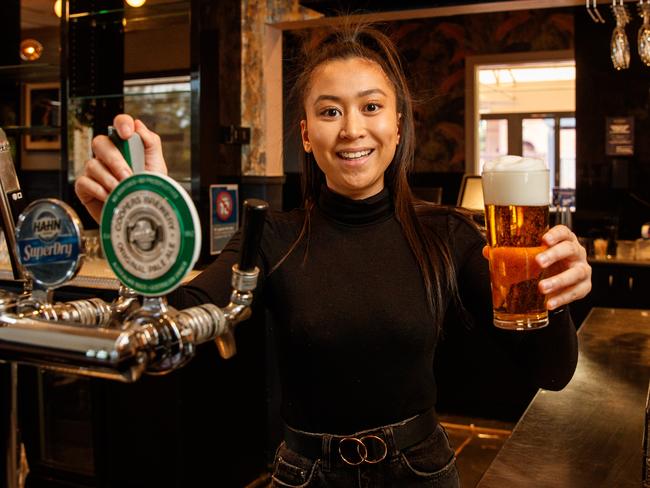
(589, 434)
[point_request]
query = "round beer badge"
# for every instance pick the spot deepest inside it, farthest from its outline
(150, 233)
(48, 241)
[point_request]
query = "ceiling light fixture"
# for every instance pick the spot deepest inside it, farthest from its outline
(30, 50)
(135, 3)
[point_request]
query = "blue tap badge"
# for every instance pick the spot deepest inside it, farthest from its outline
(48, 240)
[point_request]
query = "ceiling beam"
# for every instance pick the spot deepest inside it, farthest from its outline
(422, 13)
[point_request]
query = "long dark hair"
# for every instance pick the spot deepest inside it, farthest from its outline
(431, 251)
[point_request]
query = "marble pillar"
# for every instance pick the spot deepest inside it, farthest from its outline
(261, 80)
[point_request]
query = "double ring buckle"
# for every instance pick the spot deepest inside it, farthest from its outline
(354, 451)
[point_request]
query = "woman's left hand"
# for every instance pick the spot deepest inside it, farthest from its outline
(569, 274)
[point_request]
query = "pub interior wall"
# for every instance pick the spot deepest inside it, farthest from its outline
(610, 191)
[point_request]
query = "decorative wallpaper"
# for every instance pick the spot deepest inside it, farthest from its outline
(434, 51)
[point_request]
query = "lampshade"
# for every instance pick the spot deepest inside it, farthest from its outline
(30, 50)
(135, 3)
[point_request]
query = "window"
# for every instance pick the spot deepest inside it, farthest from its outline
(551, 137)
(493, 139)
(164, 105)
(529, 109)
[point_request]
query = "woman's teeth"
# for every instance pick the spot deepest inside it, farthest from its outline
(354, 155)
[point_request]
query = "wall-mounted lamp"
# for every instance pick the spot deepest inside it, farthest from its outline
(135, 3)
(57, 8)
(30, 50)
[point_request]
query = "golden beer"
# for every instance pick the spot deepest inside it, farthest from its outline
(516, 217)
(514, 236)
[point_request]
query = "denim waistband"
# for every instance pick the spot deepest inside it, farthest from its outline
(370, 446)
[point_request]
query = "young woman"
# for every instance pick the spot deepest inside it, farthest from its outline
(361, 279)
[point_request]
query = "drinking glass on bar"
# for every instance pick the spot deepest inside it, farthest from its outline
(516, 195)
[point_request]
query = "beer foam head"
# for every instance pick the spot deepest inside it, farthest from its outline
(514, 180)
(514, 163)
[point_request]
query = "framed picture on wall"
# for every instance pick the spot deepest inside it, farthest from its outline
(42, 109)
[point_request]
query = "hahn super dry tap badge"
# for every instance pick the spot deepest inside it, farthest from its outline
(48, 241)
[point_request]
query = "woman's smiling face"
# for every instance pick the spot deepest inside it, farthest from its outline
(351, 125)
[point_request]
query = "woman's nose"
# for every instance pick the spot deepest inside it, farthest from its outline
(353, 126)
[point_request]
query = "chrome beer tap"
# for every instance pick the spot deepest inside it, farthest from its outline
(50, 251)
(151, 238)
(35, 300)
(244, 277)
(11, 202)
(172, 335)
(155, 338)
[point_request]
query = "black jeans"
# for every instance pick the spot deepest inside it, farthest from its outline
(430, 463)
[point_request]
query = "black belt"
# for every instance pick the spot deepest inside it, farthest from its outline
(369, 446)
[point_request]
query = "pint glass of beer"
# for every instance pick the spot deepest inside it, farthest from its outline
(516, 194)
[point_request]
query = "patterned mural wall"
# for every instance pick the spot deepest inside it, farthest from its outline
(435, 53)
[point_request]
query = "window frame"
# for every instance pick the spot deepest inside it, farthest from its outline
(515, 131)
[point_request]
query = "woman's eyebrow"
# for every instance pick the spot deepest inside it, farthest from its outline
(372, 91)
(332, 98)
(360, 94)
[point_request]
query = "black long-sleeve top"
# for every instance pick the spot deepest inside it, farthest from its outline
(355, 336)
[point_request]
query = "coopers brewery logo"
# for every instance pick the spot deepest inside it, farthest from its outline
(145, 234)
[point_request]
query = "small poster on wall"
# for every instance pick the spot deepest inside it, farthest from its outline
(224, 215)
(42, 111)
(620, 136)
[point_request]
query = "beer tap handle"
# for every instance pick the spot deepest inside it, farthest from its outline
(132, 149)
(244, 274)
(9, 179)
(253, 225)
(11, 204)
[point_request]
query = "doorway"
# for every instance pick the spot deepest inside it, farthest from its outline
(524, 104)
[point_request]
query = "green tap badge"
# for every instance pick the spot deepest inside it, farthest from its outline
(150, 233)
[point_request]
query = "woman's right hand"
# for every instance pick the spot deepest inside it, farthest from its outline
(107, 168)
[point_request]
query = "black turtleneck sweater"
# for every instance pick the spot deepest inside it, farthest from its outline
(355, 336)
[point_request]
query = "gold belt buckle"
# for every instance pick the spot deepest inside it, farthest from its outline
(354, 451)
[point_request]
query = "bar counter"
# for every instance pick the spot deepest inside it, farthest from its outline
(589, 434)
(94, 273)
